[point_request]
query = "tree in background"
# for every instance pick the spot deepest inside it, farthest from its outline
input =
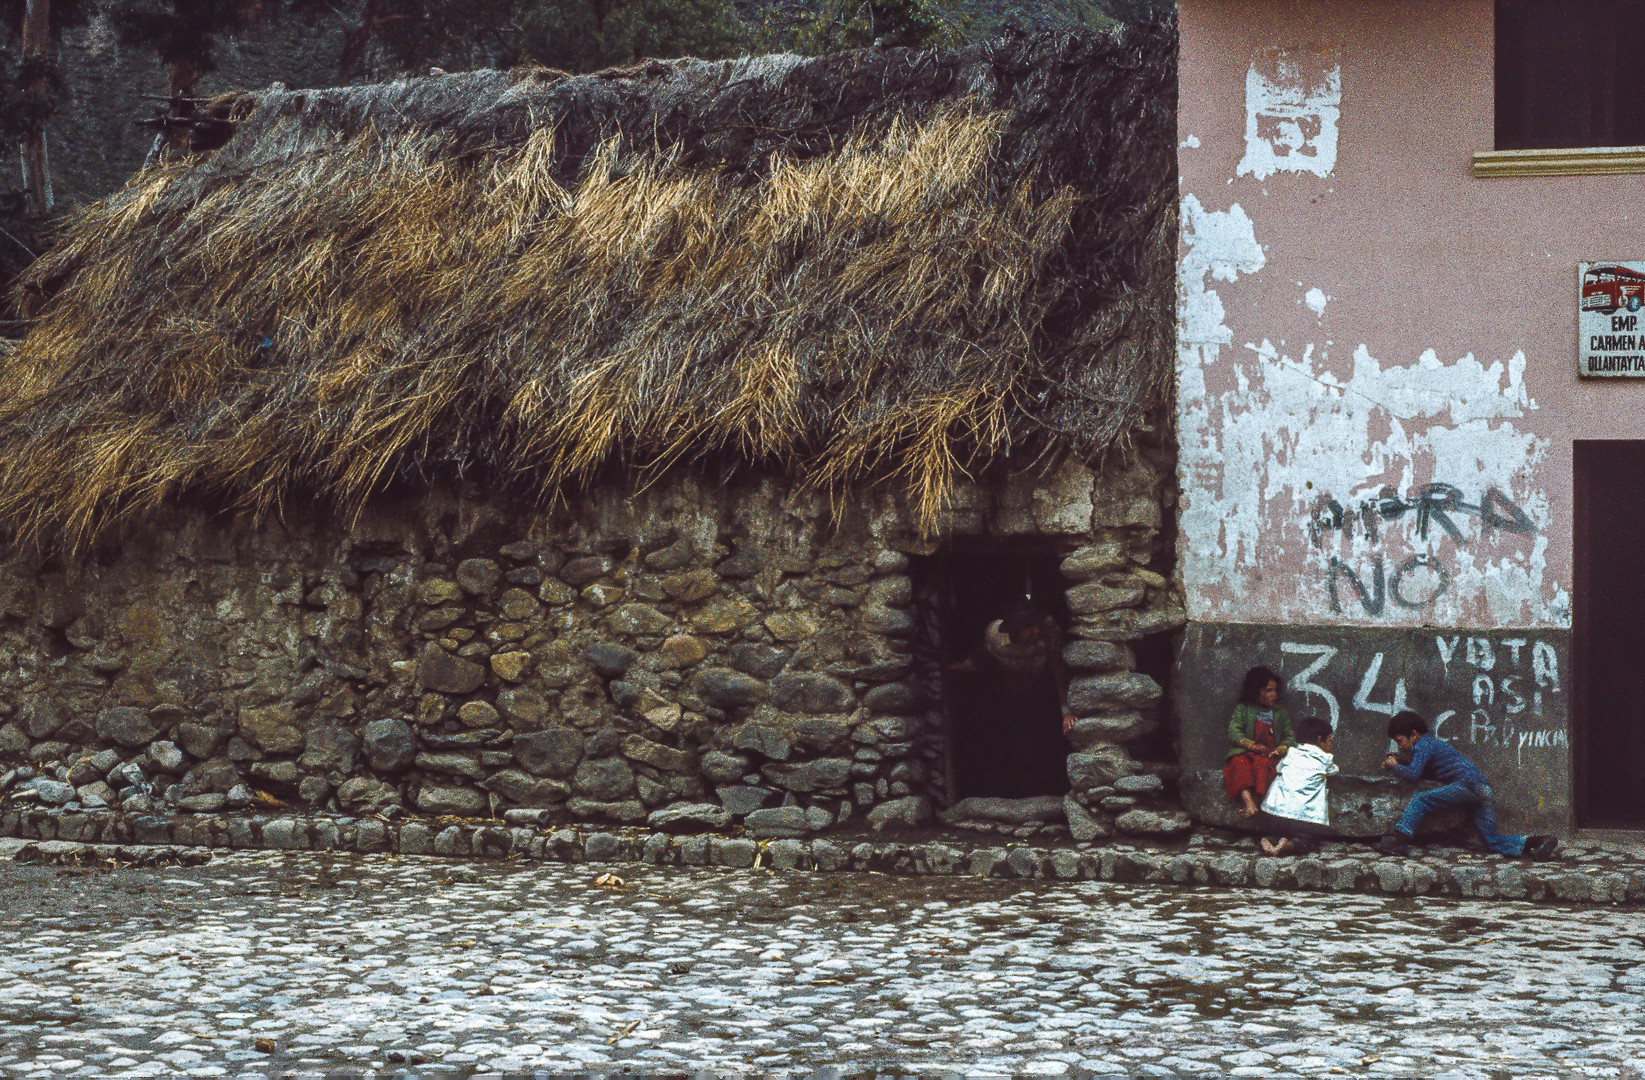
(183, 33)
(32, 81)
(385, 38)
(397, 36)
(587, 35)
(39, 89)
(409, 35)
(854, 24)
(30, 85)
(573, 35)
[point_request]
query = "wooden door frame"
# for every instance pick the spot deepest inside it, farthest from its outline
(1589, 458)
(1581, 571)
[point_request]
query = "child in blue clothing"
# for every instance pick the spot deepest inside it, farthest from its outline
(1464, 786)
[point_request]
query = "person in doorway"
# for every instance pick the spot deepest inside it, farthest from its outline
(1295, 804)
(1020, 660)
(1259, 734)
(1464, 785)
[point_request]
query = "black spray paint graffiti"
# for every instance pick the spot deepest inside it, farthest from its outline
(1509, 686)
(1421, 579)
(1434, 504)
(1373, 596)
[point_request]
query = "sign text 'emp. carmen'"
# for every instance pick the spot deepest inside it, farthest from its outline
(1610, 325)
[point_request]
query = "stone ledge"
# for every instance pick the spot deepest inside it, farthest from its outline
(40, 836)
(1362, 807)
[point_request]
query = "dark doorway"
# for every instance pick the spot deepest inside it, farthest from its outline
(1608, 713)
(1004, 739)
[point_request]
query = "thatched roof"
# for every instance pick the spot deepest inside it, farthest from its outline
(879, 262)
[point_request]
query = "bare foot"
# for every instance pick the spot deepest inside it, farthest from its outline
(1283, 847)
(1268, 847)
(1248, 804)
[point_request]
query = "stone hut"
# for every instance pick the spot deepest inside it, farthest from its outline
(640, 445)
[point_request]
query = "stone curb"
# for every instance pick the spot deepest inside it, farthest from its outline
(40, 836)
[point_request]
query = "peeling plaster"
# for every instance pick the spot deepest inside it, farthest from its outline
(1220, 245)
(1316, 301)
(1293, 101)
(1271, 437)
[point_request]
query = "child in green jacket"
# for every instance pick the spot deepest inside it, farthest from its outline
(1259, 734)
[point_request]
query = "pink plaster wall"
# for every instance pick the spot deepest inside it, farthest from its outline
(1414, 255)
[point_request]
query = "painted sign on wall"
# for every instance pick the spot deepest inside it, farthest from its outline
(1611, 320)
(1293, 99)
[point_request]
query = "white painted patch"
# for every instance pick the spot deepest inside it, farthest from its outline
(1220, 245)
(1190, 143)
(1272, 440)
(1293, 100)
(1283, 436)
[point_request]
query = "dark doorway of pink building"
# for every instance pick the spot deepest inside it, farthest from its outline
(1608, 634)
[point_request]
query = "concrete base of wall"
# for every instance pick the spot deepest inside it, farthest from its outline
(1362, 807)
(1587, 878)
(1501, 697)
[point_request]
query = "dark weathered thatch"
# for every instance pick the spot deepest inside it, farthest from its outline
(880, 262)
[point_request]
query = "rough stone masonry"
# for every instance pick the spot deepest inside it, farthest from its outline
(735, 647)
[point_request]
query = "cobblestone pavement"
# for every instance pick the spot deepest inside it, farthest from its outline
(265, 962)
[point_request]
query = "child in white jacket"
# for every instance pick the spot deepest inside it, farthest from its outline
(1296, 800)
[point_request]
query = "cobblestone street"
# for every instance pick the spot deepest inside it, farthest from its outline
(307, 963)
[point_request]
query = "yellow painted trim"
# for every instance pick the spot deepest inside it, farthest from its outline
(1585, 161)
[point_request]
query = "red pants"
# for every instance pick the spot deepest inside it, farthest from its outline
(1248, 771)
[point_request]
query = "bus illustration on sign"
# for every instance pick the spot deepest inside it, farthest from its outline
(1607, 287)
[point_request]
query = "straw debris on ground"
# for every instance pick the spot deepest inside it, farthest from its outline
(882, 264)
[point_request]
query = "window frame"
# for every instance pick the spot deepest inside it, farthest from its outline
(1549, 161)
(1581, 161)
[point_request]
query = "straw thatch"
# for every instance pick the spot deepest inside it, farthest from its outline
(881, 262)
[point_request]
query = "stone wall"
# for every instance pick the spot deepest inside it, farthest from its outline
(697, 649)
